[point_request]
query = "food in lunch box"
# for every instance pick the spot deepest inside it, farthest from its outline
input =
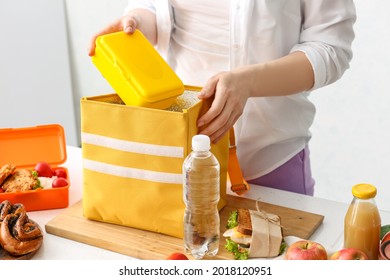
(59, 183)
(43, 176)
(18, 234)
(60, 173)
(20, 180)
(252, 234)
(43, 169)
(5, 171)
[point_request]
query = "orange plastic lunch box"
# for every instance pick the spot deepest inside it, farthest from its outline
(136, 71)
(25, 147)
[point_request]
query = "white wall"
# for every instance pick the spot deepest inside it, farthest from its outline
(351, 134)
(84, 19)
(35, 84)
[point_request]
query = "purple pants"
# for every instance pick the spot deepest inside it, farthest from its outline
(293, 176)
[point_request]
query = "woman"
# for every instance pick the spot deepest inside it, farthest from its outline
(259, 60)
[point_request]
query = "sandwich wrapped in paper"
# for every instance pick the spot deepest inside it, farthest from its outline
(254, 234)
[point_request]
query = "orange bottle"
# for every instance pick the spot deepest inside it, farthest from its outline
(362, 222)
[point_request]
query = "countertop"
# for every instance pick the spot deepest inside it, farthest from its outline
(330, 232)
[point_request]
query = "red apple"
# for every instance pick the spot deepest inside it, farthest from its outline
(385, 247)
(349, 254)
(306, 250)
(177, 256)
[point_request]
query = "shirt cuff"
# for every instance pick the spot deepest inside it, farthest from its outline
(318, 64)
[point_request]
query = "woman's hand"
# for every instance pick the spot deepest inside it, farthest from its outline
(141, 19)
(230, 91)
(127, 23)
(290, 74)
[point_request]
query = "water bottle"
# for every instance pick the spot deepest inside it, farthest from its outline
(201, 173)
(362, 223)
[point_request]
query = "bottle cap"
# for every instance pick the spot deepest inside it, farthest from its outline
(200, 142)
(364, 191)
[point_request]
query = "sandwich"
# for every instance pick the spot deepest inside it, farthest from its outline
(250, 235)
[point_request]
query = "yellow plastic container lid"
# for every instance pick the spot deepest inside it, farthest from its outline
(136, 71)
(364, 191)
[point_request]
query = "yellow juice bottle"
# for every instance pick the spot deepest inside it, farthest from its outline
(362, 222)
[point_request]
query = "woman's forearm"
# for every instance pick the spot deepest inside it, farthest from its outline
(287, 75)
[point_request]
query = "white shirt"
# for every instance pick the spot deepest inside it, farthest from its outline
(196, 56)
(271, 130)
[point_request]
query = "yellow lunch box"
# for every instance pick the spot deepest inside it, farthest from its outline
(136, 71)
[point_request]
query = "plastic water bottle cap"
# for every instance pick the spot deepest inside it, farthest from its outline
(200, 142)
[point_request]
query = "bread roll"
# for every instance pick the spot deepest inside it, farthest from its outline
(18, 234)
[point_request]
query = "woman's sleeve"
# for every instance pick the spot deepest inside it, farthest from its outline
(140, 4)
(163, 12)
(326, 38)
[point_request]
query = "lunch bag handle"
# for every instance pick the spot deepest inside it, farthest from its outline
(238, 183)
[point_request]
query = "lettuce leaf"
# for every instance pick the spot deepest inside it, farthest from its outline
(239, 253)
(283, 247)
(232, 219)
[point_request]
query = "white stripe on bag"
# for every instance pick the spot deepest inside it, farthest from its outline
(127, 172)
(134, 147)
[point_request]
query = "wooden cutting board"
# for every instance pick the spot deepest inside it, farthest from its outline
(147, 245)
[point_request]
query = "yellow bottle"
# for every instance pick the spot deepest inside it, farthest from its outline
(362, 222)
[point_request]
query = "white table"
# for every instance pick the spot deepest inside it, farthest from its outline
(330, 233)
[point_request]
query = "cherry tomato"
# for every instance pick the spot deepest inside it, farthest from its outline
(44, 169)
(177, 256)
(59, 182)
(60, 172)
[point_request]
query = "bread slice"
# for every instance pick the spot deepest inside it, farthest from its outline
(6, 171)
(244, 221)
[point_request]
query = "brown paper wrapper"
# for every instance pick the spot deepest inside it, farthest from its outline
(266, 235)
